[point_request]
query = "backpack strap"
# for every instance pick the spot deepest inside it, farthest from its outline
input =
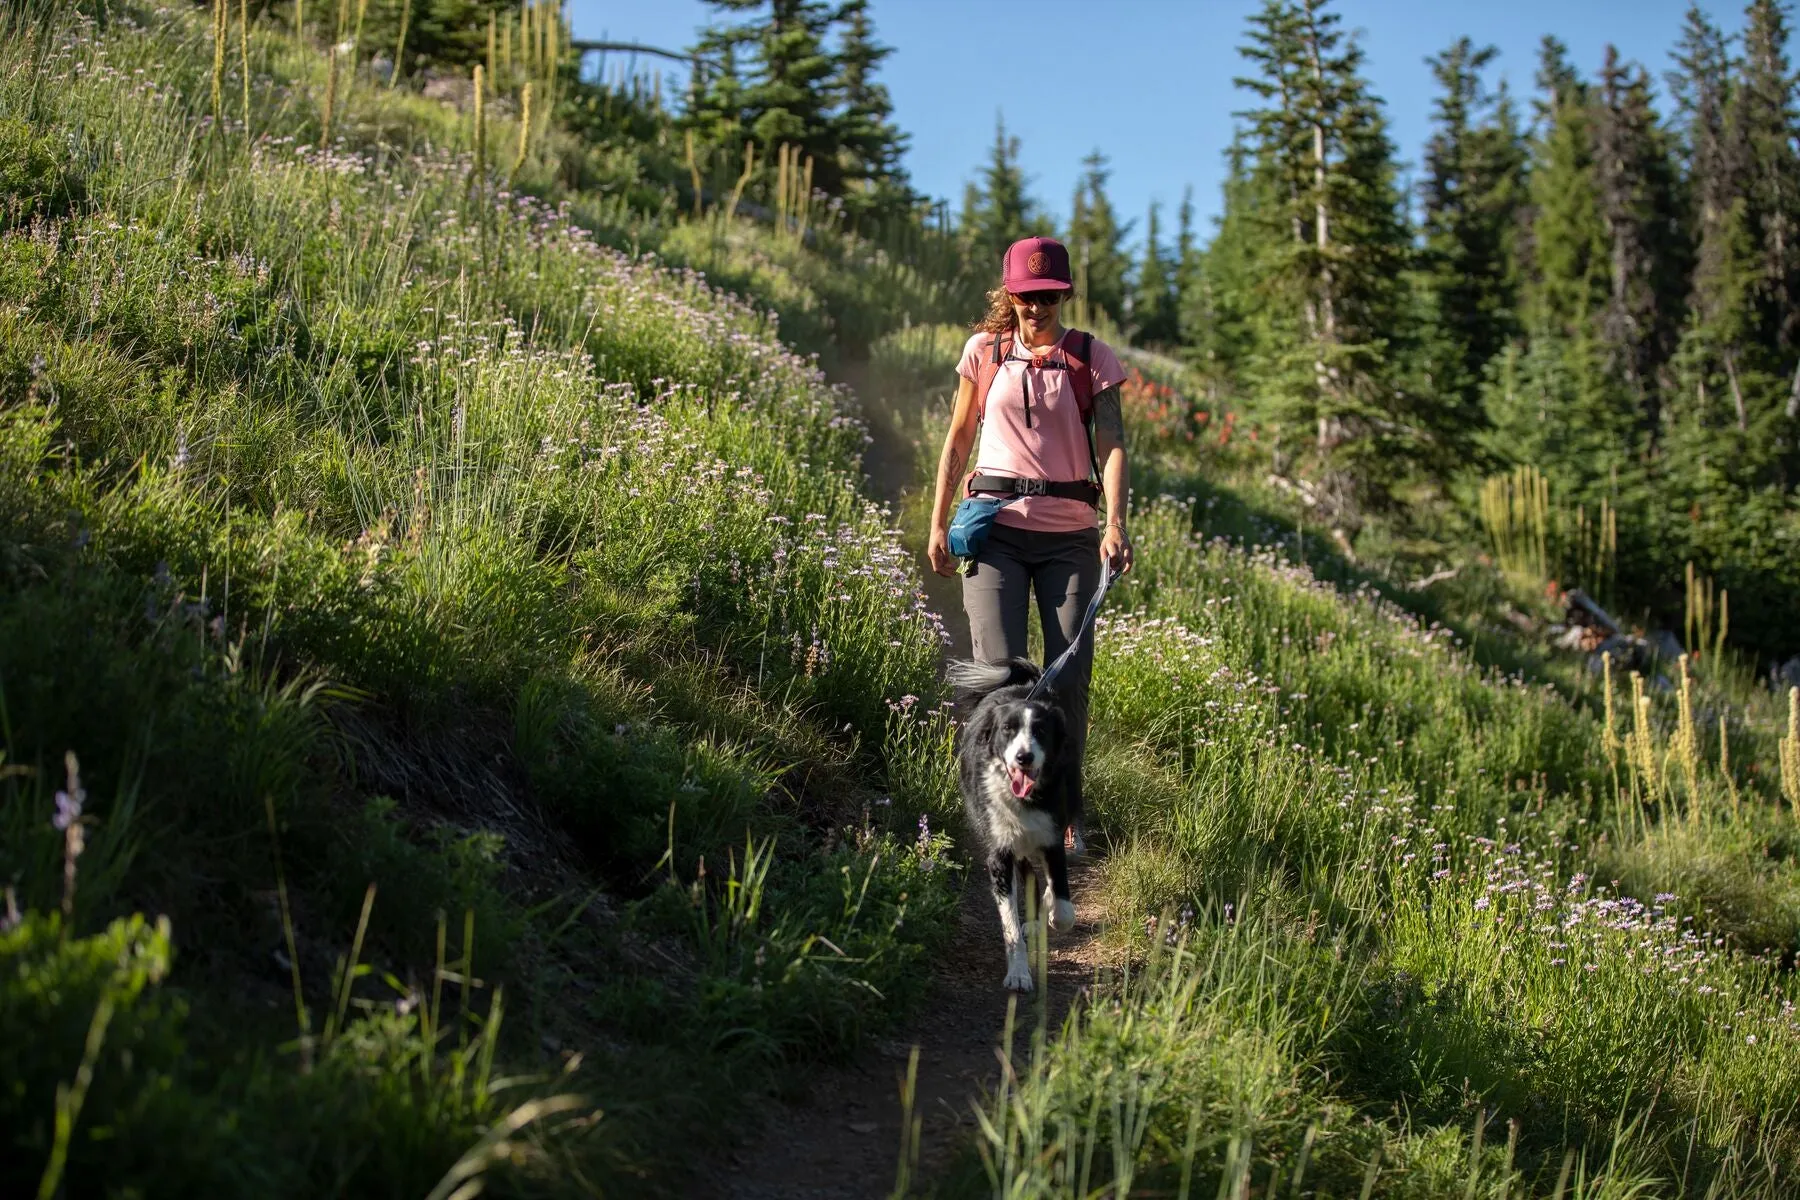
(1080, 363)
(1081, 378)
(998, 352)
(1081, 368)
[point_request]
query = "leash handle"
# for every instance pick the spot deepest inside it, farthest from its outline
(1107, 579)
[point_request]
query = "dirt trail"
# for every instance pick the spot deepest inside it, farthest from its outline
(843, 1141)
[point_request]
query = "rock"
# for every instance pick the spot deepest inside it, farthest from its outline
(1583, 610)
(1569, 637)
(1586, 612)
(1666, 645)
(1628, 654)
(452, 89)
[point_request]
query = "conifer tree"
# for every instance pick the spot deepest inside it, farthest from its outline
(1707, 396)
(1472, 196)
(1718, 168)
(1096, 242)
(1557, 80)
(1558, 404)
(869, 143)
(1187, 255)
(1320, 145)
(1153, 304)
(1762, 127)
(997, 211)
(1635, 182)
(787, 100)
(715, 112)
(1764, 117)
(1226, 320)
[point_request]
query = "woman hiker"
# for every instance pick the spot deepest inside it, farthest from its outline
(1046, 402)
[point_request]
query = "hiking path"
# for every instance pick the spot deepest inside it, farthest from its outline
(842, 1137)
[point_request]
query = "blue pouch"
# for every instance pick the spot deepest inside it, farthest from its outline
(969, 527)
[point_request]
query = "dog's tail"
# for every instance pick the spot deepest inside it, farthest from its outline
(979, 678)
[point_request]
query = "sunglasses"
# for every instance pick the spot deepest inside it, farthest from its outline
(1045, 299)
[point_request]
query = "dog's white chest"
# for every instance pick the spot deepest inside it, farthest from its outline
(1024, 831)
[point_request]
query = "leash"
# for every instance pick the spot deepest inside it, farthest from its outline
(1107, 579)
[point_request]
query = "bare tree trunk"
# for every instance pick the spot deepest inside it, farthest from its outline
(1737, 393)
(1328, 426)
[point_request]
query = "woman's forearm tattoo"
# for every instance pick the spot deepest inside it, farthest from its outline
(1109, 416)
(951, 467)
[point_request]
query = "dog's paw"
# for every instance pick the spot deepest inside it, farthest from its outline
(1018, 974)
(1062, 915)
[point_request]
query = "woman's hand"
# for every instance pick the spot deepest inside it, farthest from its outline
(1115, 549)
(938, 551)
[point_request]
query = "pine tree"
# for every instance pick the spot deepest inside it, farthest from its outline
(1718, 170)
(1557, 403)
(1557, 80)
(998, 212)
(1709, 361)
(715, 112)
(1187, 255)
(1096, 244)
(1639, 207)
(787, 101)
(1727, 426)
(1566, 285)
(1764, 117)
(1226, 318)
(869, 143)
(1320, 143)
(1472, 196)
(1153, 304)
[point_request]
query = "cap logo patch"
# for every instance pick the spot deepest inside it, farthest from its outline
(1038, 263)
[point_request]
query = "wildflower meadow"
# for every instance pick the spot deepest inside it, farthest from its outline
(467, 720)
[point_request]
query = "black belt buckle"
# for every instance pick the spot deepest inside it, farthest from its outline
(1029, 487)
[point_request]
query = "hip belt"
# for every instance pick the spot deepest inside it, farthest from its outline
(1083, 490)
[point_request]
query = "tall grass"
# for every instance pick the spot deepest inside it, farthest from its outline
(1450, 914)
(517, 575)
(363, 520)
(1538, 539)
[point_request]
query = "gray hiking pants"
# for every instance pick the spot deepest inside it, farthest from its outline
(1063, 569)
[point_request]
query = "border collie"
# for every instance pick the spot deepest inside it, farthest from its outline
(1019, 789)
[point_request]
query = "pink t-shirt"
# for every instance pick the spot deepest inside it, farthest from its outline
(1054, 446)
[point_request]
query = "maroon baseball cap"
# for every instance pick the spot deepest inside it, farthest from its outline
(1037, 264)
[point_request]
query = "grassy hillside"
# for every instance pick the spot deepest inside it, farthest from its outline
(424, 616)
(1408, 908)
(464, 718)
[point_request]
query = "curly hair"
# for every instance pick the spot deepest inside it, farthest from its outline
(1000, 317)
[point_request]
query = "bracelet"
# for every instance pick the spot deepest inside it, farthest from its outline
(1118, 525)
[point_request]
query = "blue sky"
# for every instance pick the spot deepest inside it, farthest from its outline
(1149, 81)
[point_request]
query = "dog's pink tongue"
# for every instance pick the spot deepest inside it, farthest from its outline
(1022, 783)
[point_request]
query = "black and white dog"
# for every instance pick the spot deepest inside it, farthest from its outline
(1021, 789)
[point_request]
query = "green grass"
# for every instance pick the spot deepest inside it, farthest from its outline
(1408, 890)
(365, 524)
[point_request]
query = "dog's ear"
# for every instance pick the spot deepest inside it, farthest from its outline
(991, 732)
